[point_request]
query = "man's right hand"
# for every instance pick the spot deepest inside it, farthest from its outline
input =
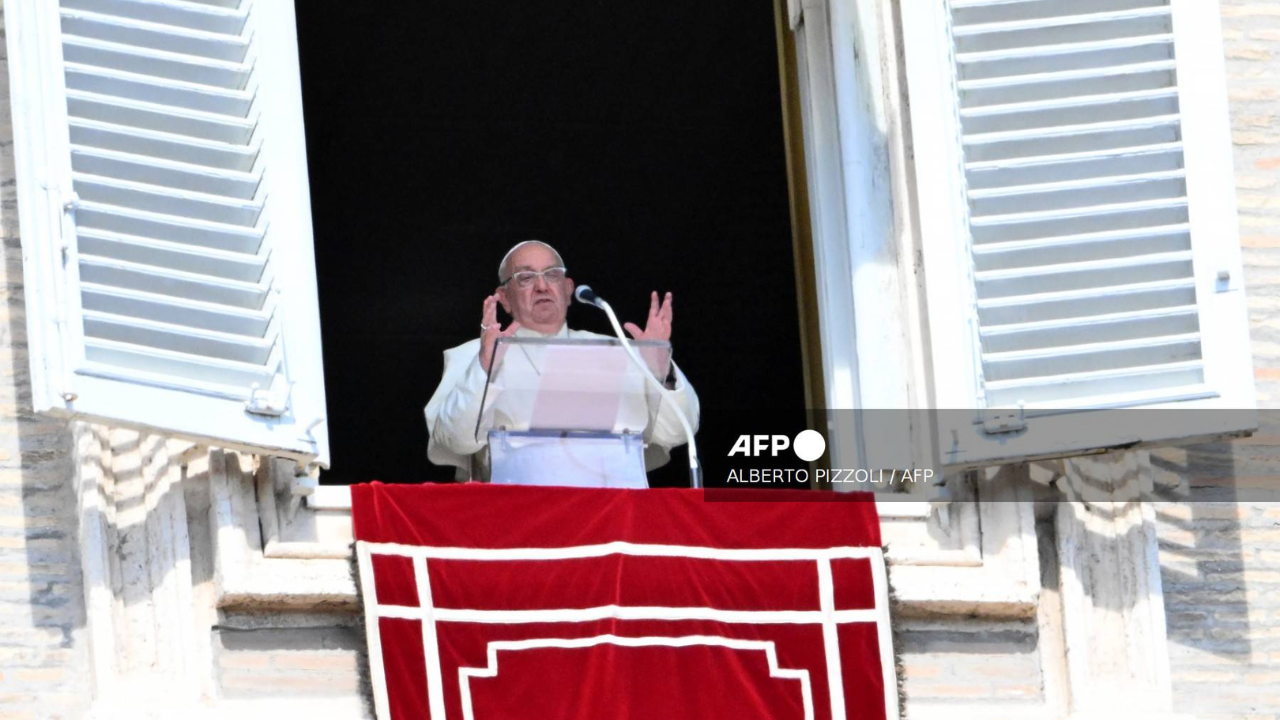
(490, 330)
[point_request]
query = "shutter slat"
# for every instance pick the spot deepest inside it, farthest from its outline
(1095, 389)
(1062, 168)
(1087, 302)
(167, 366)
(174, 256)
(1018, 218)
(175, 338)
(1007, 191)
(1072, 194)
(142, 34)
(1092, 357)
(1059, 20)
(1029, 282)
(145, 88)
(1073, 138)
(1022, 81)
(153, 199)
(128, 113)
(156, 171)
(1152, 23)
(194, 16)
(1078, 331)
(1054, 131)
(155, 63)
(1081, 248)
(1067, 111)
(1061, 67)
(1061, 103)
(1043, 51)
(134, 276)
(166, 227)
(1104, 219)
(975, 167)
(175, 310)
(1151, 76)
(968, 12)
(165, 146)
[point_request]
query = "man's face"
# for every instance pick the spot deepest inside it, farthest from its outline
(542, 304)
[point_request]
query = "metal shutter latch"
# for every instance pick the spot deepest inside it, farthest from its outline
(1004, 420)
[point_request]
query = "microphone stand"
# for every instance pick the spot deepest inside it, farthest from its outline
(695, 470)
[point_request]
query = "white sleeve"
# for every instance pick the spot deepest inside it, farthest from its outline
(664, 424)
(454, 426)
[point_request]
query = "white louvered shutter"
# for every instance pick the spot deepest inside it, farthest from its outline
(1078, 218)
(165, 218)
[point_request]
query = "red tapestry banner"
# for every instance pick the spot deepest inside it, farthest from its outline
(521, 603)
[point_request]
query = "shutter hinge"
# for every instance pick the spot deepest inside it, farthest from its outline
(1004, 420)
(273, 401)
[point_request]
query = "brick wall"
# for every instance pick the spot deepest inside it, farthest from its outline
(1220, 562)
(962, 661)
(1220, 553)
(43, 659)
(278, 660)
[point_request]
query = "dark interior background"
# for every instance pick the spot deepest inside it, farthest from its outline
(643, 139)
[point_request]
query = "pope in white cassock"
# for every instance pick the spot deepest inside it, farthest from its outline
(535, 290)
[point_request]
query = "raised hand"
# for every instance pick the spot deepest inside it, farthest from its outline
(490, 330)
(656, 327)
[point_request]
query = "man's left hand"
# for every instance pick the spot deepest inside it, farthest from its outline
(657, 327)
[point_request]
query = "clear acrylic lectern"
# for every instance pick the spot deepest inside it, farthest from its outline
(568, 411)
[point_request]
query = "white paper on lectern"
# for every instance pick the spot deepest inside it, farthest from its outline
(589, 388)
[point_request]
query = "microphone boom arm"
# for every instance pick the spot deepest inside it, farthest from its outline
(584, 294)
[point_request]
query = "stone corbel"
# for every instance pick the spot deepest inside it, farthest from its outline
(992, 572)
(248, 575)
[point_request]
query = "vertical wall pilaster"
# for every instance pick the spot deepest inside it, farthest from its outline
(146, 644)
(1112, 602)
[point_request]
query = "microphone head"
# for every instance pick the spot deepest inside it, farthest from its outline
(584, 294)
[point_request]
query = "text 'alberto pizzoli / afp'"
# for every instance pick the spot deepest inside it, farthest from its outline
(836, 476)
(809, 445)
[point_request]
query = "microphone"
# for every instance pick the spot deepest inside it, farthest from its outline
(584, 294)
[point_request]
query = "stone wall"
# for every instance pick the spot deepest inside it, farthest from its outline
(1220, 554)
(43, 654)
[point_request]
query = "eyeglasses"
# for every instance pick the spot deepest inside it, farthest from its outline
(526, 278)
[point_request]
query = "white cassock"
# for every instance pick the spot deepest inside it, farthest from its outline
(456, 404)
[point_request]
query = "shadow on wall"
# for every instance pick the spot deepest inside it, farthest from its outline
(1220, 566)
(41, 595)
(1201, 555)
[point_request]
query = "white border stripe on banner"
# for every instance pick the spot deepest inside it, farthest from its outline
(430, 647)
(620, 548)
(884, 637)
(831, 639)
(372, 612)
(629, 612)
(768, 647)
